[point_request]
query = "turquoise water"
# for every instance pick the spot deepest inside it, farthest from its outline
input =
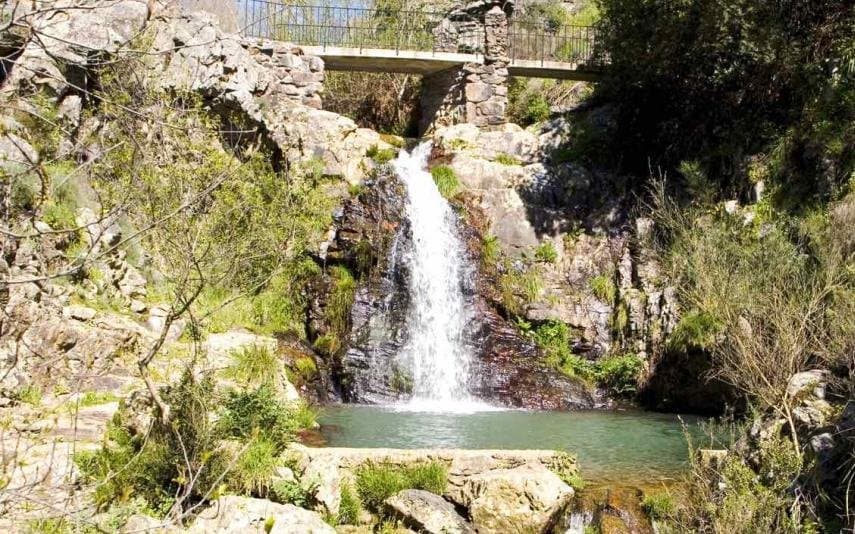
(620, 447)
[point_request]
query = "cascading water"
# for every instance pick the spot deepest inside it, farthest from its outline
(436, 352)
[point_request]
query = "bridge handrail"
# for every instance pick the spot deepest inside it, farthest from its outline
(340, 26)
(332, 25)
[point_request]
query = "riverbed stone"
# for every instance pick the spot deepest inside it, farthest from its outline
(239, 515)
(427, 512)
(526, 499)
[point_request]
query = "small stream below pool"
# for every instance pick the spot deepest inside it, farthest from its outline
(622, 447)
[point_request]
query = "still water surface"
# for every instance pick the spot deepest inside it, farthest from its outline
(614, 447)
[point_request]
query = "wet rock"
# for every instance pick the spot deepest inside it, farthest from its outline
(239, 515)
(425, 512)
(511, 370)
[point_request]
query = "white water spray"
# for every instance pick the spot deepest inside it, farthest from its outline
(436, 352)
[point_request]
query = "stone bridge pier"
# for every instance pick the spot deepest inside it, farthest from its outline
(475, 93)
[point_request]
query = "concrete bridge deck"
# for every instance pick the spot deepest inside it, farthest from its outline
(427, 63)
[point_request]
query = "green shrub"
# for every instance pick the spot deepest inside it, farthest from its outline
(381, 155)
(554, 338)
(254, 365)
(519, 287)
(350, 507)
(306, 368)
(25, 192)
(659, 505)
(291, 492)
(546, 252)
(255, 468)
(29, 394)
(377, 482)
(171, 459)
(446, 180)
(604, 288)
(695, 329)
(619, 373)
(339, 304)
(59, 216)
(507, 159)
(258, 412)
(536, 109)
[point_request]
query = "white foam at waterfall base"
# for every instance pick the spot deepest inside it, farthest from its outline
(436, 352)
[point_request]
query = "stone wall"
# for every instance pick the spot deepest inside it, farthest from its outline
(300, 77)
(443, 99)
(478, 92)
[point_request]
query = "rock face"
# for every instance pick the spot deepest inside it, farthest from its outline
(425, 512)
(232, 514)
(372, 236)
(275, 85)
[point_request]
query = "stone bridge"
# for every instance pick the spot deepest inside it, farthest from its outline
(465, 54)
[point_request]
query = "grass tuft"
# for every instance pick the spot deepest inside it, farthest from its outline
(446, 180)
(377, 482)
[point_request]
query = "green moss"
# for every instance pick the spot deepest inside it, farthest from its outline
(291, 492)
(401, 382)
(446, 180)
(458, 144)
(377, 482)
(507, 159)
(394, 140)
(564, 465)
(381, 155)
(355, 190)
(95, 398)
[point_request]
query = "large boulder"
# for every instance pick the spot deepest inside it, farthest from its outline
(426, 512)
(525, 499)
(240, 515)
(68, 38)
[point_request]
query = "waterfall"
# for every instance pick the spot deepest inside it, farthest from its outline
(436, 352)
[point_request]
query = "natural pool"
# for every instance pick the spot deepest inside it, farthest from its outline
(612, 447)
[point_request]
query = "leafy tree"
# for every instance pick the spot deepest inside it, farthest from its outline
(722, 80)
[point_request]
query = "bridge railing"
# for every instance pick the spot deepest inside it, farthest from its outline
(530, 40)
(340, 25)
